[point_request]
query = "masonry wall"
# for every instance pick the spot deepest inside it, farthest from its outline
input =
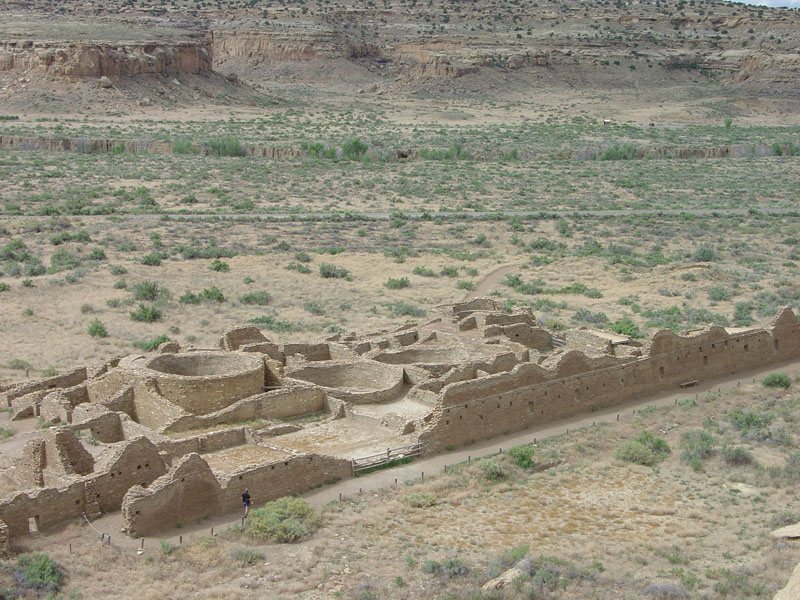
(190, 491)
(530, 394)
(276, 404)
(207, 442)
(66, 380)
(137, 462)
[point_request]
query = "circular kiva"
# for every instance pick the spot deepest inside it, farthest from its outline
(201, 382)
(360, 382)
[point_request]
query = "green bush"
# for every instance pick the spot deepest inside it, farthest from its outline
(449, 272)
(37, 571)
(645, 449)
(704, 254)
(152, 260)
(152, 343)
(354, 150)
(522, 456)
(397, 284)
(4, 287)
(150, 291)
(225, 146)
(62, 260)
(448, 568)
(257, 298)
(777, 380)
(491, 470)
(420, 500)
(184, 146)
(696, 446)
(97, 329)
(424, 271)
(737, 456)
(625, 326)
(246, 556)
(190, 298)
(404, 309)
(220, 265)
(299, 267)
(329, 271)
(286, 519)
(212, 294)
(146, 314)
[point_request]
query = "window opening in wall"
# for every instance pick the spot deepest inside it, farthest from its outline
(746, 348)
(775, 343)
(33, 524)
(705, 360)
(661, 372)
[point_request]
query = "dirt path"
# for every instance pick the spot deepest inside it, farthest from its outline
(490, 281)
(434, 464)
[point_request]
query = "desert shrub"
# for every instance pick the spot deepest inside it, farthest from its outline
(420, 500)
(329, 271)
(404, 309)
(257, 298)
(783, 518)
(220, 265)
(777, 380)
(449, 272)
(749, 423)
(718, 293)
(184, 146)
(6, 432)
(645, 449)
(397, 284)
(737, 456)
(117, 270)
(696, 446)
(619, 152)
(448, 568)
(210, 250)
(354, 149)
(150, 291)
(62, 260)
(152, 343)
(97, 329)
(522, 456)
(314, 308)
(37, 571)
(299, 267)
(152, 260)
(704, 254)
(424, 271)
(666, 590)
(246, 556)
(491, 470)
(465, 285)
(212, 294)
(190, 298)
(4, 287)
(283, 520)
(146, 314)
(225, 146)
(625, 326)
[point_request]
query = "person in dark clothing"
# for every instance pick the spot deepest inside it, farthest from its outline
(246, 501)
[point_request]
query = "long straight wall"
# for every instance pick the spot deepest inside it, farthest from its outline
(530, 395)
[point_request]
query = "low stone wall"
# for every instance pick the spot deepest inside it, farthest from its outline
(357, 382)
(276, 404)
(205, 442)
(66, 380)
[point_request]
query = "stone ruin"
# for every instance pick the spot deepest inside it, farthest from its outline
(176, 436)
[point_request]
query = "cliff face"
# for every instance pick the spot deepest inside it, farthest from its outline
(97, 60)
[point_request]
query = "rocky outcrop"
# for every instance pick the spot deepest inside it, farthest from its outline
(105, 60)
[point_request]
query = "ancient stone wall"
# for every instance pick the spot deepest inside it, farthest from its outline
(66, 380)
(202, 443)
(489, 406)
(190, 491)
(276, 404)
(136, 463)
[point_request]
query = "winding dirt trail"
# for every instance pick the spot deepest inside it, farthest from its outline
(490, 281)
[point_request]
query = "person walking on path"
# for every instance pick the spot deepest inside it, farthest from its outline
(246, 502)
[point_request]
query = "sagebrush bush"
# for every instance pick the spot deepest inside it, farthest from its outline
(397, 284)
(491, 470)
(146, 314)
(97, 329)
(522, 456)
(258, 298)
(286, 519)
(329, 271)
(645, 449)
(777, 380)
(37, 571)
(246, 556)
(420, 499)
